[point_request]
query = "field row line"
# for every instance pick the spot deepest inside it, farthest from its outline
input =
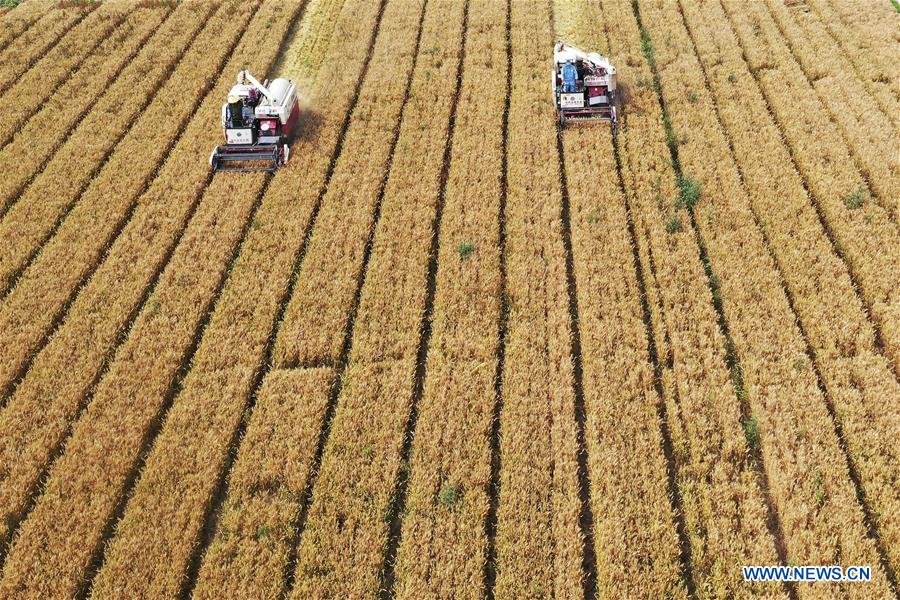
(869, 36)
(56, 66)
(761, 282)
(540, 539)
(856, 382)
(626, 421)
(42, 271)
(204, 387)
(55, 367)
(586, 514)
(17, 22)
(706, 408)
(502, 293)
(865, 129)
(366, 436)
(27, 48)
(122, 268)
(398, 506)
(289, 513)
(25, 155)
(858, 228)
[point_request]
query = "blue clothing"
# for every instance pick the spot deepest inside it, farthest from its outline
(570, 76)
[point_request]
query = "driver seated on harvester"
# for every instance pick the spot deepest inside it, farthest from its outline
(238, 113)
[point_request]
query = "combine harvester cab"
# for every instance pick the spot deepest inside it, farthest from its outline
(583, 86)
(258, 120)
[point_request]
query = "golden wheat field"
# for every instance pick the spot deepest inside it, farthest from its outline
(452, 348)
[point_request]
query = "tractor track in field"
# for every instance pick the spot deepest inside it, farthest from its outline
(732, 361)
(870, 523)
(4, 210)
(490, 519)
(813, 198)
(675, 499)
(124, 331)
(586, 513)
(401, 486)
(170, 395)
(60, 316)
(219, 495)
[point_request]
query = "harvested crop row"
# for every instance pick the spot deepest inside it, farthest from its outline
(313, 35)
(70, 363)
(635, 534)
(819, 288)
(37, 139)
(444, 546)
(29, 93)
(867, 36)
(539, 542)
(313, 329)
(870, 136)
(724, 510)
(221, 395)
(139, 379)
(370, 443)
(861, 229)
(47, 286)
(797, 438)
(250, 553)
(100, 136)
(27, 48)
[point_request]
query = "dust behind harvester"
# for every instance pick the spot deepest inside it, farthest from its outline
(257, 121)
(584, 85)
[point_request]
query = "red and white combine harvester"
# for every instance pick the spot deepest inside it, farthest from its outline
(584, 85)
(258, 120)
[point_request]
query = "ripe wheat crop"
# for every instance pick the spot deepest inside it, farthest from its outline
(34, 42)
(26, 150)
(33, 89)
(756, 307)
(39, 208)
(455, 346)
(861, 228)
(371, 444)
(450, 460)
